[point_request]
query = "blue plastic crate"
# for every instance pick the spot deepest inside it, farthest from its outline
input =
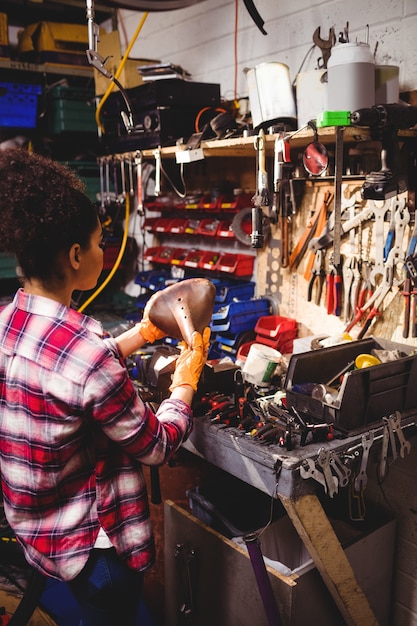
(239, 316)
(19, 105)
(227, 291)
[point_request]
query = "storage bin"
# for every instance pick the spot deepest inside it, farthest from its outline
(277, 332)
(365, 395)
(228, 291)
(71, 109)
(8, 265)
(239, 316)
(90, 175)
(237, 264)
(19, 105)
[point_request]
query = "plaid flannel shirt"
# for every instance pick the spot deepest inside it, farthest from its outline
(73, 435)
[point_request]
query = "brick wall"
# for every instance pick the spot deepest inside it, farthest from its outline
(201, 38)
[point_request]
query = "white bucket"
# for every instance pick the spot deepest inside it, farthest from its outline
(351, 77)
(271, 95)
(261, 364)
(387, 84)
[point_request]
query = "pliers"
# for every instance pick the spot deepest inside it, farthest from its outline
(334, 288)
(317, 273)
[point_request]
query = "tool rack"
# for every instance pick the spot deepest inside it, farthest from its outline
(276, 471)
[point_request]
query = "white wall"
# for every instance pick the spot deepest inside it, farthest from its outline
(201, 38)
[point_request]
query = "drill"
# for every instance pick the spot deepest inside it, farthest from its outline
(384, 121)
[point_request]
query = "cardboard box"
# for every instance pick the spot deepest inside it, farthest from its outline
(51, 42)
(4, 37)
(109, 48)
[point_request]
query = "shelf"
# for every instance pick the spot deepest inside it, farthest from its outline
(244, 146)
(23, 12)
(47, 68)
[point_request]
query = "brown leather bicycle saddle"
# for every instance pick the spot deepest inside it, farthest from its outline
(182, 308)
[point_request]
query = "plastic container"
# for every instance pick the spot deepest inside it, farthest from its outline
(351, 77)
(261, 365)
(18, 105)
(71, 109)
(277, 332)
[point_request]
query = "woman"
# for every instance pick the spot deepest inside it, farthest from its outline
(73, 431)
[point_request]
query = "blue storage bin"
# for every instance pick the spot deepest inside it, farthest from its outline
(239, 316)
(19, 105)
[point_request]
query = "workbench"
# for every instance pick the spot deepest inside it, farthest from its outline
(276, 471)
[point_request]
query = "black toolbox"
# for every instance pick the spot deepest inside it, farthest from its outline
(365, 395)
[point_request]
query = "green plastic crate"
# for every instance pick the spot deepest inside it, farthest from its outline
(71, 109)
(7, 265)
(89, 173)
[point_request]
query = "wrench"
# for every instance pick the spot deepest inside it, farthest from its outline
(362, 479)
(324, 45)
(405, 445)
(379, 212)
(340, 469)
(331, 481)
(311, 471)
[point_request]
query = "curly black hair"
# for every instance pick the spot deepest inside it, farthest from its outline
(43, 211)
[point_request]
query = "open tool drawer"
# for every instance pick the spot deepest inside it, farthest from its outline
(365, 395)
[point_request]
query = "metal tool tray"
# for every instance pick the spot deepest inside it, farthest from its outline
(365, 395)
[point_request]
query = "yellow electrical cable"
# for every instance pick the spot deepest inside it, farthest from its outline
(116, 263)
(119, 70)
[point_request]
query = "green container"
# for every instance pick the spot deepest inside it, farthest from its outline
(71, 109)
(89, 173)
(7, 265)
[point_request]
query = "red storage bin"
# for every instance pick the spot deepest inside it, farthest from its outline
(208, 260)
(237, 264)
(152, 254)
(224, 229)
(193, 258)
(208, 227)
(277, 332)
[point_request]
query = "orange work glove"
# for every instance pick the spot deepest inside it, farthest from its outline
(147, 329)
(191, 361)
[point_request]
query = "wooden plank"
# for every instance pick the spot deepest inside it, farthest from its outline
(317, 534)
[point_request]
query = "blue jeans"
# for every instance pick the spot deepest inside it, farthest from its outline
(107, 591)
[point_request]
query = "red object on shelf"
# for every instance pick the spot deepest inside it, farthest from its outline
(207, 204)
(208, 260)
(163, 225)
(234, 203)
(237, 264)
(152, 254)
(165, 254)
(149, 224)
(177, 225)
(191, 226)
(277, 332)
(179, 255)
(208, 227)
(225, 229)
(193, 258)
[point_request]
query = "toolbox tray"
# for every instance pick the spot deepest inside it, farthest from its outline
(365, 395)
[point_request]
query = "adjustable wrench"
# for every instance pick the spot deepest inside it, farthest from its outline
(361, 479)
(324, 45)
